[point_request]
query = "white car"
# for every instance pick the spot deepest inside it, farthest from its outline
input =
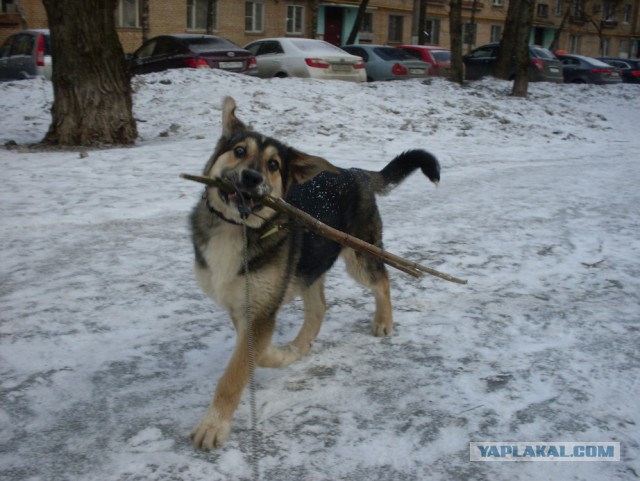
(305, 57)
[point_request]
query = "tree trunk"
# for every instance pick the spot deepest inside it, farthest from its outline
(422, 17)
(504, 62)
(525, 17)
(314, 18)
(556, 36)
(455, 29)
(357, 24)
(145, 20)
(24, 22)
(473, 27)
(211, 10)
(92, 93)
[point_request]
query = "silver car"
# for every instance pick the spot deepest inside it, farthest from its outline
(389, 63)
(304, 57)
(26, 55)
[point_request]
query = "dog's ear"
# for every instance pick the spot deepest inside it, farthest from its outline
(303, 167)
(230, 123)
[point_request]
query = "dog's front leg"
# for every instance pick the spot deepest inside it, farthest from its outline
(215, 426)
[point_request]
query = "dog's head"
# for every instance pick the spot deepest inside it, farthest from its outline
(255, 165)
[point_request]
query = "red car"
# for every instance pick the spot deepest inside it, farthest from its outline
(438, 57)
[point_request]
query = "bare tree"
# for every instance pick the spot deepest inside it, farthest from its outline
(473, 27)
(358, 22)
(455, 29)
(145, 20)
(555, 43)
(422, 19)
(92, 93)
(211, 16)
(602, 18)
(24, 23)
(525, 18)
(315, 5)
(504, 61)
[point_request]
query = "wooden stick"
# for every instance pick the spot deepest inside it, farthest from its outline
(329, 232)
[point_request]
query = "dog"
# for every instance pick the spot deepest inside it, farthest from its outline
(282, 264)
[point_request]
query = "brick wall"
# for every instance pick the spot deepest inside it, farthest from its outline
(169, 16)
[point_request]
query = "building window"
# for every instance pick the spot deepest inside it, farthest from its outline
(367, 23)
(395, 28)
(626, 14)
(543, 10)
(605, 45)
(609, 11)
(469, 33)
(496, 33)
(559, 6)
(197, 14)
(8, 6)
(295, 17)
(432, 28)
(577, 8)
(254, 16)
(498, 3)
(129, 13)
(623, 49)
(574, 43)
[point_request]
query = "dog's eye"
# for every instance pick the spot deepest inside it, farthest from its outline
(273, 165)
(240, 151)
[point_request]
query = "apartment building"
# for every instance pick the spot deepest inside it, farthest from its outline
(589, 27)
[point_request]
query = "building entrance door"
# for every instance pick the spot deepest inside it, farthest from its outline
(333, 17)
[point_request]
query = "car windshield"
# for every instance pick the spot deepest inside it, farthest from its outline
(441, 55)
(597, 63)
(390, 53)
(310, 45)
(540, 52)
(203, 44)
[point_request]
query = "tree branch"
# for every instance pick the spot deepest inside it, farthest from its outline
(329, 232)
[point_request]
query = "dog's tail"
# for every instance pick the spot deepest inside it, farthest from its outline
(402, 166)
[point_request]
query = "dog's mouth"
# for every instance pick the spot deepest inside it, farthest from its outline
(241, 200)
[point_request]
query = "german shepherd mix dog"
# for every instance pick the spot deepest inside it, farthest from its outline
(283, 264)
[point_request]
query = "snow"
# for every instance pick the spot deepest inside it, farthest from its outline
(109, 353)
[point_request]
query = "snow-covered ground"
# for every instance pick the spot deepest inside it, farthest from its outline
(109, 353)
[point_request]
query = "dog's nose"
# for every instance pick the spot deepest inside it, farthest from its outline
(250, 178)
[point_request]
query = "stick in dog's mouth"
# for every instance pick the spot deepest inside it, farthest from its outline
(245, 202)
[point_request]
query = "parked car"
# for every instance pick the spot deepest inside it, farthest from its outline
(26, 55)
(629, 68)
(388, 63)
(543, 65)
(307, 58)
(579, 69)
(438, 57)
(191, 51)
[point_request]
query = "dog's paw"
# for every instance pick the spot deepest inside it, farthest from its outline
(280, 356)
(381, 330)
(211, 433)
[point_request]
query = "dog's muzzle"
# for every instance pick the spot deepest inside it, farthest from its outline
(247, 188)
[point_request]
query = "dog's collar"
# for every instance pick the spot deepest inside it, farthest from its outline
(211, 209)
(269, 228)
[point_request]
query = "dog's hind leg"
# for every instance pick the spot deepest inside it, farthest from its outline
(216, 423)
(315, 306)
(372, 273)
